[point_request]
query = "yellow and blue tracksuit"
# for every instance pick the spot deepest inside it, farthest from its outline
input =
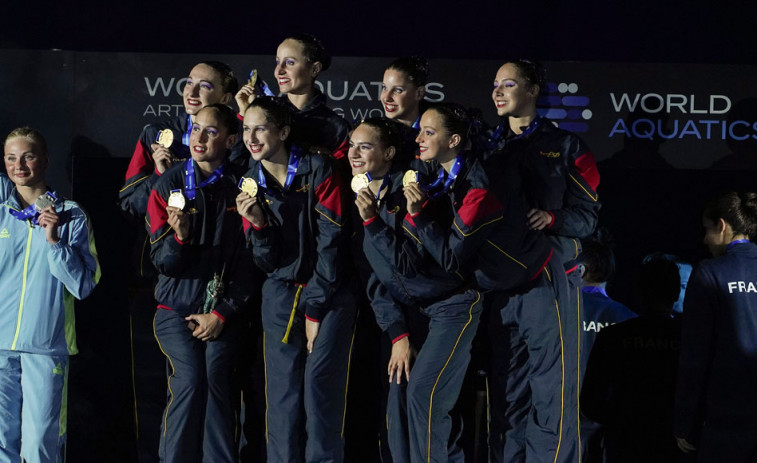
(39, 283)
(304, 251)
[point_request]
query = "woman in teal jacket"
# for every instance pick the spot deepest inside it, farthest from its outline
(48, 258)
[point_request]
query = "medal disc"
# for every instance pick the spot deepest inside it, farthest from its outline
(253, 78)
(165, 138)
(43, 201)
(249, 186)
(176, 199)
(359, 182)
(410, 176)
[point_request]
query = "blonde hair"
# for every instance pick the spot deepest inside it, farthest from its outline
(31, 135)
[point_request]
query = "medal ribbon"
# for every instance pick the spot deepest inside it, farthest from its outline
(453, 173)
(417, 123)
(735, 242)
(31, 211)
(294, 161)
(384, 184)
(185, 137)
(538, 120)
(189, 178)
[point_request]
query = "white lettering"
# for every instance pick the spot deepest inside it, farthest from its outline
(360, 90)
(731, 286)
(696, 111)
(149, 110)
(152, 90)
(742, 286)
(624, 100)
(681, 103)
(652, 96)
(434, 95)
(363, 113)
(331, 94)
(724, 98)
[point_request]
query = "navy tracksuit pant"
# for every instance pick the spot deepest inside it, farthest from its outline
(436, 379)
(198, 422)
(527, 375)
(297, 381)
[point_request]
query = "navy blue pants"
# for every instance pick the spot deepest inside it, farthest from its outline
(437, 375)
(527, 372)
(198, 422)
(570, 442)
(296, 381)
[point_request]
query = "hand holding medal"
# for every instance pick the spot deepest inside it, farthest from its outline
(177, 219)
(359, 182)
(415, 196)
(161, 153)
(48, 218)
(247, 203)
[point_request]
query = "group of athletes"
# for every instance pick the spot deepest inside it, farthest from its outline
(424, 220)
(423, 216)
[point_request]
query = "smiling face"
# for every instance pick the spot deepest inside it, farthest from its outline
(367, 153)
(25, 162)
(399, 96)
(204, 87)
(209, 140)
(261, 137)
(513, 95)
(294, 73)
(433, 140)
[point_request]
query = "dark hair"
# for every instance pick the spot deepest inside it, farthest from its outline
(388, 129)
(532, 71)
(226, 117)
(597, 256)
(738, 209)
(414, 67)
(456, 119)
(658, 284)
(276, 112)
(229, 81)
(313, 49)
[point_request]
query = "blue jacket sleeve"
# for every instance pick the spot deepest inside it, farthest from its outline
(329, 198)
(399, 254)
(474, 221)
(6, 186)
(73, 259)
(265, 245)
(697, 333)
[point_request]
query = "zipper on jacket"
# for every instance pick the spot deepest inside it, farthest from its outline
(23, 286)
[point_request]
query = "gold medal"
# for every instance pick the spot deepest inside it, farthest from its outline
(253, 78)
(176, 199)
(165, 138)
(359, 182)
(249, 186)
(410, 176)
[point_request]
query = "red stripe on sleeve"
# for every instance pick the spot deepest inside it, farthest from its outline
(341, 151)
(246, 224)
(587, 168)
(329, 194)
(141, 162)
(402, 336)
(478, 204)
(409, 219)
(156, 211)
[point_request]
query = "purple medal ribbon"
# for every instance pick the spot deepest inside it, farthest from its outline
(294, 162)
(189, 178)
(31, 211)
(453, 173)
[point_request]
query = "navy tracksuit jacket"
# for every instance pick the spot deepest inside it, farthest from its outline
(198, 422)
(716, 404)
(559, 175)
(303, 249)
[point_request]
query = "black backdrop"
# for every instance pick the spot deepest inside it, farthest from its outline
(646, 208)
